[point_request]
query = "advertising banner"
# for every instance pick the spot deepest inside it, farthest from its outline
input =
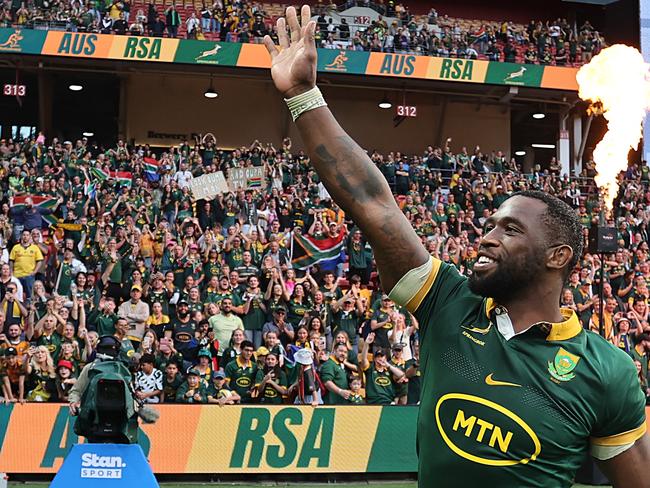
(468, 70)
(342, 61)
(183, 51)
(203, 52)
(401, 65)
(559, 78)
(137, 48)
(21, 41)
(78, 44)
(105, 465)
(254, 56)
(35, 438)
(515, 74)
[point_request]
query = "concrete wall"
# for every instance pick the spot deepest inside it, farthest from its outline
(246, 110)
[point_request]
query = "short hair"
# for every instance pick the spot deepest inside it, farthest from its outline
(148, 358)
(245, 344)
(642, 337)
(561, 222)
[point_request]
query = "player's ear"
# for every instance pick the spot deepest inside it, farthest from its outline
(559, 256)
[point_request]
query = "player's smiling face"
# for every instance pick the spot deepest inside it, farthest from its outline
(512, 251)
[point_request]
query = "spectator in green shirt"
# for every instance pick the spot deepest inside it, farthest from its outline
(240, 373)
(192, 390)
(334, 376)
(381, 375)
(218, 391)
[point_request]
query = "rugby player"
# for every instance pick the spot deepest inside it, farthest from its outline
(515, 392)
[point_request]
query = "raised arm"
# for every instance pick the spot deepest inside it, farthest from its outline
(349, 175)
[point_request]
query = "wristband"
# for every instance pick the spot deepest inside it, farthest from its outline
(305, 102)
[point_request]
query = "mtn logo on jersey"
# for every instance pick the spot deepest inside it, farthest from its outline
(562, 366)
(485, 432)
(101, 467)
(243, 381)
(382, 381)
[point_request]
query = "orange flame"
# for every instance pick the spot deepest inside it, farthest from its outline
(616, 82)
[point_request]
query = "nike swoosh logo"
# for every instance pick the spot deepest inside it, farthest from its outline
(492, 382)
(477, 330)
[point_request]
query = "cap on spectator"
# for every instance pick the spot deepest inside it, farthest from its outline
(218, 375)
(385, 297)
(11, 351)
(398, 346)
(171, 243)
(148, 358)
(158, 276)
(193, 246)
(136, 287)
(585, 282)
(304, 357)
(64, 363)
(280, 308)
(623, 319)
(379, 352)
(204, 352)
(193, 371)
(182, 302)
(261, 352)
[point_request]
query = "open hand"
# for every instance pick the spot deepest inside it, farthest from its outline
(293, 67)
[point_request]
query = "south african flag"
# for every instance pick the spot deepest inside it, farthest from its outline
(151, 167)
(308, 251)
(124, 178)
(41, 202)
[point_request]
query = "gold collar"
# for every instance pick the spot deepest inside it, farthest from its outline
(555, 331)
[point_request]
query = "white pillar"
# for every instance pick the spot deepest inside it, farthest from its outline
(562, 147)
(577, 140)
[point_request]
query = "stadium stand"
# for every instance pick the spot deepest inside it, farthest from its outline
(225, 301)
(365, 26)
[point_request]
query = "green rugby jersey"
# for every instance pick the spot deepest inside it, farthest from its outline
(240, 377)
(518, 412)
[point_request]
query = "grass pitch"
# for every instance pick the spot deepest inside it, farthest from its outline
(387, 484)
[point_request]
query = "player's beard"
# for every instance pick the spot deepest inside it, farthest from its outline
(510, 278)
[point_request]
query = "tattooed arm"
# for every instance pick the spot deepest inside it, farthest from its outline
(360, 189)
(349, 175)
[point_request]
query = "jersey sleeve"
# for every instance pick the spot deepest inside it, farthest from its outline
(434, 282)
(622, 420)
(326, 373)
(259, 377)
(228, 371)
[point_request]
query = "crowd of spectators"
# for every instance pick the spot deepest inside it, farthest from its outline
(554, 42)
(204, 294)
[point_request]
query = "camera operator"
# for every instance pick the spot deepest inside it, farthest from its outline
(107, 415)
